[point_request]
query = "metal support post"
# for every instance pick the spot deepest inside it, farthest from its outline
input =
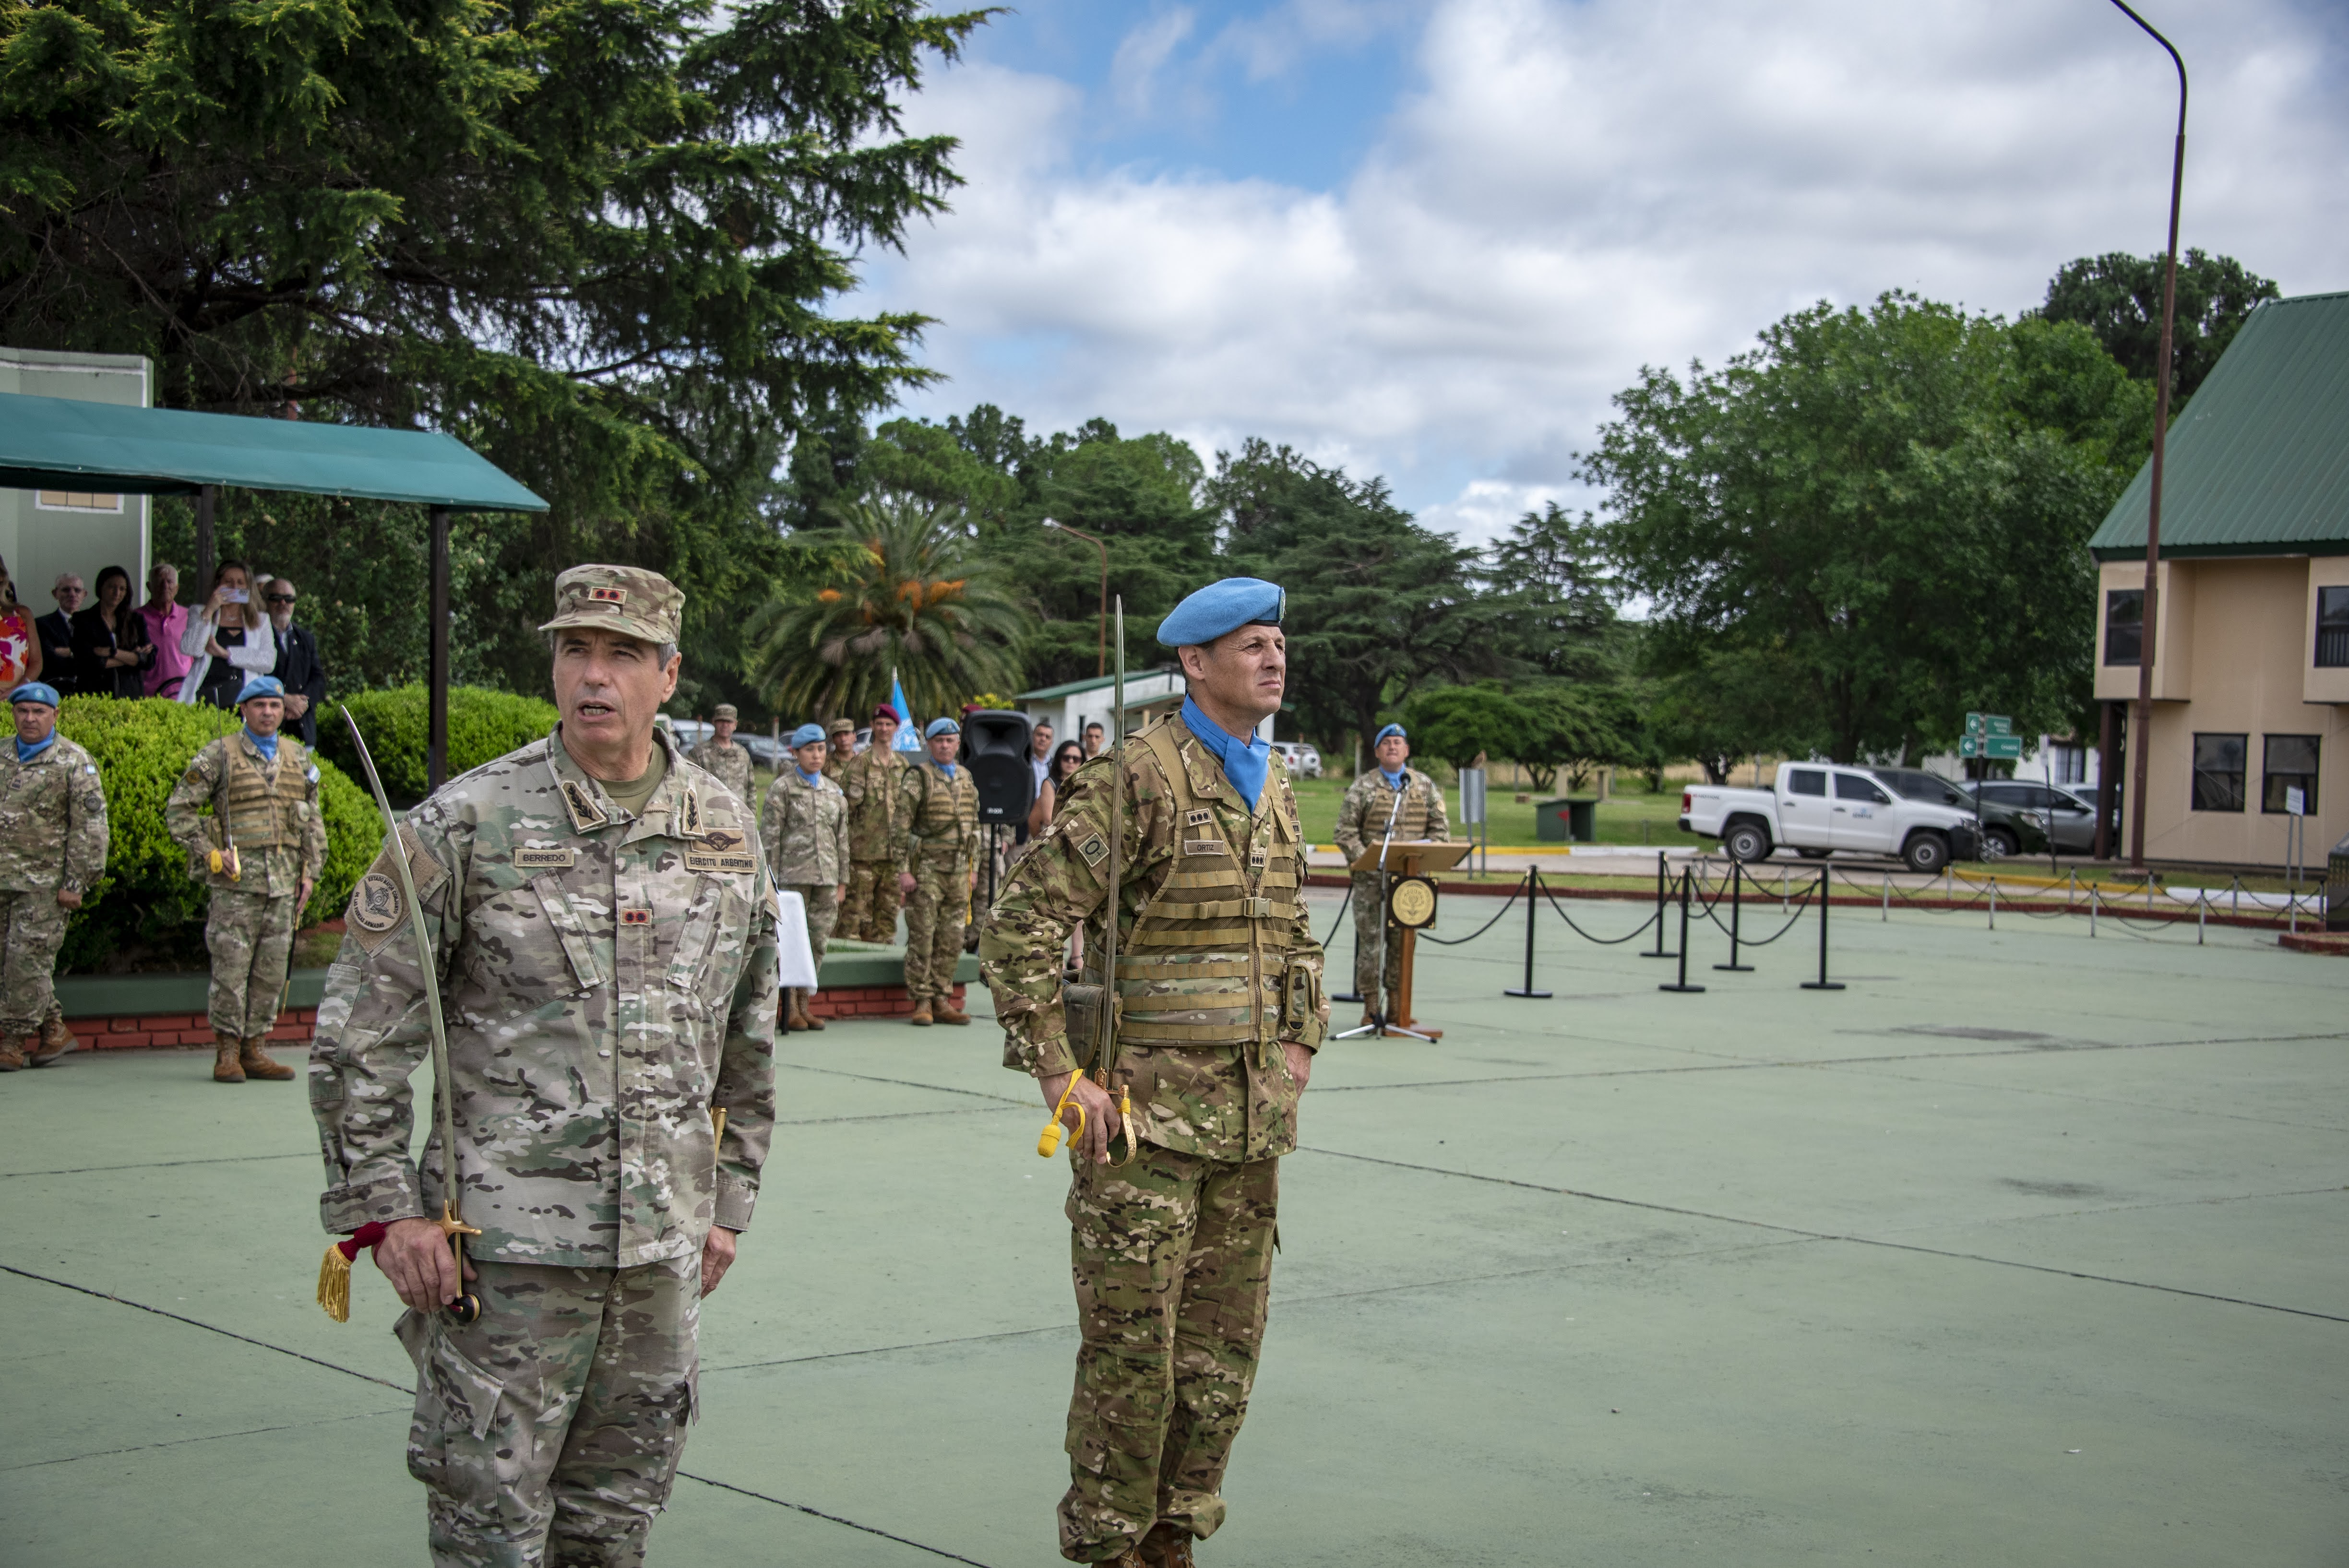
(2092, 908)
(1735, 889)
(436, 734)
(1993, 903)
(1822, 982)
(1888, 898)
(2201, 915)
(1533, 889)
(1660, 952)
(1687, 876)
(207, 499)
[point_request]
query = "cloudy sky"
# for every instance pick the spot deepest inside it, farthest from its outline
(1429, 239)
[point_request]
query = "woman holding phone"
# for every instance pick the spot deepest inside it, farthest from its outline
(229, 639)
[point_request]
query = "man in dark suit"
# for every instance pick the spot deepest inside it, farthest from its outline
(299, 670)
(56, 632)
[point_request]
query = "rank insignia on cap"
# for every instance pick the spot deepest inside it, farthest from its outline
(608, 595)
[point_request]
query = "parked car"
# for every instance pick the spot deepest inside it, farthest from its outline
(2071, 821)
(1822, 808)
(1302, 760)
(2006, 830)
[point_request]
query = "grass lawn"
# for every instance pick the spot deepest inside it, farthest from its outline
(1626, 818)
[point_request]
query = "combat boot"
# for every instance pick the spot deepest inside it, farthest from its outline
(793, 1019)
(1161, 1551)
(259, 1064)
(946, 1012)
(12, 1054)
(55, 1041)
(225, 1050)
(921, 1018)
(807, 1014)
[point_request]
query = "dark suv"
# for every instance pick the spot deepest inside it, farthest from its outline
(2070, 820)
(2006, 830)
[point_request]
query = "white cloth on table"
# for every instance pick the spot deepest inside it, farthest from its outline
(795, 958)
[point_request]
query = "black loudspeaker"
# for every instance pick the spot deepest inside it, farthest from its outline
(995, 746)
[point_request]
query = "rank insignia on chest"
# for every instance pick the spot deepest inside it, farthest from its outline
(1199, 818)
(585, 813)
(1257, 858)
(636, 917)
(689, 825)
(545, 860)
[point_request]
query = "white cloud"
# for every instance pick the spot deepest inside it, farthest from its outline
(1571, 190)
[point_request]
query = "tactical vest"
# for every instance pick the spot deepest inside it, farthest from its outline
(1207, 961)
(938, 820)
(263, 807)
(1411, 819)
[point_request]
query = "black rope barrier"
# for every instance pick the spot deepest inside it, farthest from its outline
(1637, 932)
(1456, 941)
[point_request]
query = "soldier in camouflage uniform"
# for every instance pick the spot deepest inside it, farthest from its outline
(52, 852)
(937, 869)
(841, 750)
(723, 754)
(260, 851)
(804, 828)
(1218, 995)
(1416, 806)
(605, 921)
(869, 914)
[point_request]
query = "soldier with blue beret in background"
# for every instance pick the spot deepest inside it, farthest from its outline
(53, 839)
(804, 827)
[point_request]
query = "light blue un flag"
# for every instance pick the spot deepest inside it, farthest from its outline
(908, 738)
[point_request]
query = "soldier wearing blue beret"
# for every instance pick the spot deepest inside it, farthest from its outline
(1217, 1011)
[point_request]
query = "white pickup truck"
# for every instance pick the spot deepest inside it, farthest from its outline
(1818, 808)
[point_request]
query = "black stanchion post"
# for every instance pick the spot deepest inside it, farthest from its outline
(1533, 889)
(1822, 982)
(1682, 984)
(1736, 880)
(1660, 952)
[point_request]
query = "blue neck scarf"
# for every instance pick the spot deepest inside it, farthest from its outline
(1245, 761)
(1394, 781)
(806, 778)
(26, 753)
(946, 769)
(264, 744)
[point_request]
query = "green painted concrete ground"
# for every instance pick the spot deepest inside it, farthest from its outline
(2024, 1249)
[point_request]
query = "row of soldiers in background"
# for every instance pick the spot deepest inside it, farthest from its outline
(246, 812)
(856, 832)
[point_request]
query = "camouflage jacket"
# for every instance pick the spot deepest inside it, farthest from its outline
(938, 817)
(1224, 1100)
(730, 762)
(870, 783)
(281, 836)
(804, 828)
(607, 981)
(1362, 815)
(52, 821)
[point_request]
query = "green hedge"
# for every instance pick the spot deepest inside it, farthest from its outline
(484, 726)
(147, 909)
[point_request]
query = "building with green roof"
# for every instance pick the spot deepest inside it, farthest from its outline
(2251, 629)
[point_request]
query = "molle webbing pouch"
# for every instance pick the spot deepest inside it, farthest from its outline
(1081, 1005)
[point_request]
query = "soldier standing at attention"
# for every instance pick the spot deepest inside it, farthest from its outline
(1219, 980)
(804, 828)
(937, 869)
(261, 853)
(842, 734)
(52, 852)
(608, 932)
(1362, 824)
(723, 754)
(870, 783)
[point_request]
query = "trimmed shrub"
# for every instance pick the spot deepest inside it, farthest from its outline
(146, 909)
(484, 726)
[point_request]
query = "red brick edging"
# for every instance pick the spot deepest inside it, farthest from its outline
(149, 1031)
(868, 1002)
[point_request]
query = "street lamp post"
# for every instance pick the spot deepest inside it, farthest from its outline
(2141, 723)
(1102, 667)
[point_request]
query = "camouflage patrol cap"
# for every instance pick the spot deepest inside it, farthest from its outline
(843, 727)
(628, 600)
(725, 710)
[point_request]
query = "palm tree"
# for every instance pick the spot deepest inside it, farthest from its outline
(905, 590)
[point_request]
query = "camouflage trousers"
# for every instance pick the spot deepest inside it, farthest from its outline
(547, 1432)
(871, 912)
(823, 900)
(32, 928)
(1369, 910)
(1172, 1260)
(934, 920)
(251, 936)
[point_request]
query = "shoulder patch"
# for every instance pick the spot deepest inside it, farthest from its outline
(377, 910)
(1095, 850)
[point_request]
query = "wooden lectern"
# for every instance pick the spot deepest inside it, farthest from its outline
(1415, 858)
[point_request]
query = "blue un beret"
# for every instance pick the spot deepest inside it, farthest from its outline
(1390, 730)
(1221, 607)
(807, 734)
(261, 686)
(35, 691)
(938, 726)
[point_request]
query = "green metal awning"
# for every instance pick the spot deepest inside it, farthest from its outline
(57, 443)
(2259, 462)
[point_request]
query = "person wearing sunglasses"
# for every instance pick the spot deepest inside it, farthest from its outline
(298, 669)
